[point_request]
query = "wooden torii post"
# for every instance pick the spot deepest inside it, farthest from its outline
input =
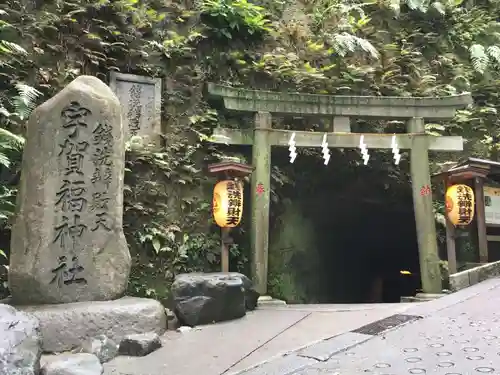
(340, 108)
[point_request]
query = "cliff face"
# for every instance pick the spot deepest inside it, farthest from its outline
(313, 46)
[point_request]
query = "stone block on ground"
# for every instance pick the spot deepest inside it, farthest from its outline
(68, 326)
(203, 298)
(102, 347)
(140, 345)
(67, 242)
(73, 364)
(172, 321)
(20, 342)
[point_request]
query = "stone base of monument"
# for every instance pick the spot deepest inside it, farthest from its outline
(20, 341)
(68, 326)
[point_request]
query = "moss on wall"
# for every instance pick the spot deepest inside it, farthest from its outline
(293, 257)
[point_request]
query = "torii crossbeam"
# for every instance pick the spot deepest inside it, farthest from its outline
(339, 109)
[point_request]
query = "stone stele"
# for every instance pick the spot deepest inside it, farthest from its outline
(67, 241)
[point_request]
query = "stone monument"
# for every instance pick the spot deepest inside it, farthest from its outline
(140, 99)
(67, 241)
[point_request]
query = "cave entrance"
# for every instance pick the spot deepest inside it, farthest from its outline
(369, 254)
(336, 133)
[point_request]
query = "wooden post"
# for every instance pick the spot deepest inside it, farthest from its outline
(225, 242)
(260, 200)
(430, 273)
(481, 220)
(450, 239)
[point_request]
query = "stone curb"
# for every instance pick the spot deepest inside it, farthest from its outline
(464, 279)
(322, 350)
(426, 308)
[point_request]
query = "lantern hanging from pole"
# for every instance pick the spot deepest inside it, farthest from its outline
(228, 203)
(460, 204)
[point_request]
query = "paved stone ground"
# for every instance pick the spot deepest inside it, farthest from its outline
(455, 335)
(265, 333)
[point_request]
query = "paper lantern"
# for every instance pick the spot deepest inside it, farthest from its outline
(228, 203)
(460, 204)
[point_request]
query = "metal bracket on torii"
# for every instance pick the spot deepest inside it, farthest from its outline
(340, 108)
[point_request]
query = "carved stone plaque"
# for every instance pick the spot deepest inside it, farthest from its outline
(140, 99)
(67, 241)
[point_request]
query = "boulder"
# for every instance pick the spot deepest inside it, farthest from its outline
(73, 364)
(251, 295)
(20, 342)
(103, 348)
(207, 298)
(140, 345)
(67, 242)
(69, 326)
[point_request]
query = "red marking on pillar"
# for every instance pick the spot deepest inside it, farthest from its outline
(260, 189)
(425, 190)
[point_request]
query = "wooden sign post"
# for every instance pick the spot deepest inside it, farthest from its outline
(339, 109)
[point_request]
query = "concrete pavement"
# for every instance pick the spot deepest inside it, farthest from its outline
(233, 346)
(458, 334)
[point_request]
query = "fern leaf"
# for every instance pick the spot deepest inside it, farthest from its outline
(9, 48)
(413, 4)
(346, 43)
(395, 6)
(9, 140)
(479, 57)
(24, 102)
(366, 46)
(4, 160)
(440, 7)
(4, 111)
(343, 43)
(494, 53)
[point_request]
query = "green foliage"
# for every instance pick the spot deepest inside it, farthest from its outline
(235, 18)
(16, 103)
(166, 217)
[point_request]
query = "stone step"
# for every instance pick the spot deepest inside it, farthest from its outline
(269, 301)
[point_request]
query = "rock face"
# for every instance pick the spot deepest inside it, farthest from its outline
(73, 364)
(140, 345)
(103, 348)
(20, 342)
(67, 242)
(212, 297)
(69, 326)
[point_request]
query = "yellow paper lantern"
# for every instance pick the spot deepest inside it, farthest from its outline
(460, 204)
(228, 203)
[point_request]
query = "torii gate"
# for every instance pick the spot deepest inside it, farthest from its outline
(340, 108)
